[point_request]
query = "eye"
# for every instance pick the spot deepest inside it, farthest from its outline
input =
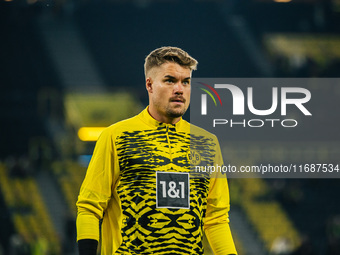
(169, 81)
(186, 82)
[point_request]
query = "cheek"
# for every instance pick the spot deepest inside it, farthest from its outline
(188, 100)
(160, 95)
(188, 93)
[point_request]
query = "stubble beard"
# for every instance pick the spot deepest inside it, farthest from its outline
(175, 112)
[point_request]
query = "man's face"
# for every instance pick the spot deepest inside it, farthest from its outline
(169, 91)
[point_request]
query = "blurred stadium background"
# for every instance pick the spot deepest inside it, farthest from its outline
(68, 68)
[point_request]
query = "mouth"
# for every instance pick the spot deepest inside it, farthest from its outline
(179, 100)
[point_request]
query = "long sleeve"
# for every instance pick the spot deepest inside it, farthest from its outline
(96, 190)
(216, 224)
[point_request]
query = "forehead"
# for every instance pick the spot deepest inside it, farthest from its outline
(173, 69)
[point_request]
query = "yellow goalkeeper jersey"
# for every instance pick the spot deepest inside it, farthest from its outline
(143, 185)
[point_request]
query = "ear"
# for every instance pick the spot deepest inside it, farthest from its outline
(148, 84)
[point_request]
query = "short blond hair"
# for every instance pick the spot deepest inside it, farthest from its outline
(169, 54)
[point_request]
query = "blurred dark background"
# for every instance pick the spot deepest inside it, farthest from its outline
(70, 64)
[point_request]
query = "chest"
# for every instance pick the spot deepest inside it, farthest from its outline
(153, 149)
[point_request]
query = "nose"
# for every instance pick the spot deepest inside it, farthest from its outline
(178, 88)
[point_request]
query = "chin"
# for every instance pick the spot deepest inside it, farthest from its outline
(177, 111)
(176, 114)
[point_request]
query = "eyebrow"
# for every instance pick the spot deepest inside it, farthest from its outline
(172, 77)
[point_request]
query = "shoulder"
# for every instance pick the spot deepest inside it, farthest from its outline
(197, 131)
(186, 126)
(119, 127)
(110, 134)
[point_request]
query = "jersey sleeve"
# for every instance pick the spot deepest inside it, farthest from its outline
(216, 222)
(96, 190)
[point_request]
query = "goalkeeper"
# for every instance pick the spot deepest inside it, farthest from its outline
(139, 183)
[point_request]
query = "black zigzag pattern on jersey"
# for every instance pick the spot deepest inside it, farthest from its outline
(147, 229)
